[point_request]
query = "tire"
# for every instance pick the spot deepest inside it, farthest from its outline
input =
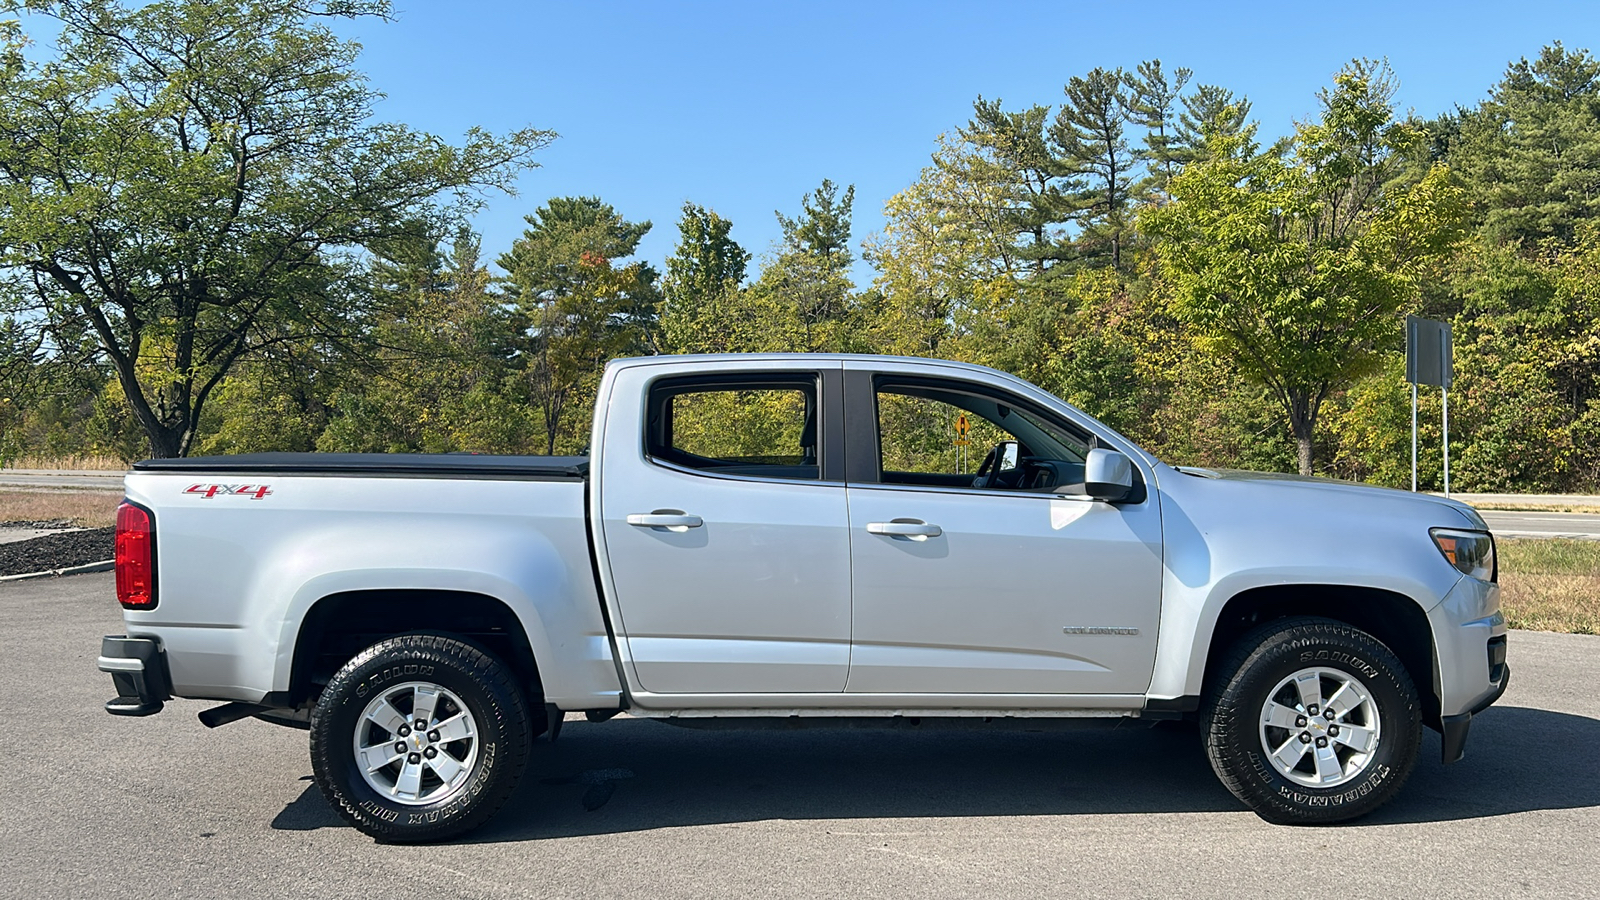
(1267, 729)
(476, 743)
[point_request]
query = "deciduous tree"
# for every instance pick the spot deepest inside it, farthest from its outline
(1297, 269)
(194, 182)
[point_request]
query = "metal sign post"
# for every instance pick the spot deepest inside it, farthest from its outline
(1429, 360)
(962, 427)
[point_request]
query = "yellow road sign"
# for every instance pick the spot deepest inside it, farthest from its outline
(962, 427)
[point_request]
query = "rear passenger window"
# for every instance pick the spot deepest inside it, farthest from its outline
(749, 428)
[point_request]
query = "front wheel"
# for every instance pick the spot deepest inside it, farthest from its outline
(1312, 721)
(419, 738)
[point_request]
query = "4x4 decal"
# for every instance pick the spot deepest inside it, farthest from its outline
(207, 491)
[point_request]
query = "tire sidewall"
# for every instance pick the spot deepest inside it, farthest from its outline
(339, 713)
(1398, 714)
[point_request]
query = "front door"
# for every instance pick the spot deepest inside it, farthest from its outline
(1009, 582)
(729, 551)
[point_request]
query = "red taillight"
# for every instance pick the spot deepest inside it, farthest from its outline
(136, 564)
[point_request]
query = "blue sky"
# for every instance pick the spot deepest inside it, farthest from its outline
(745, 106)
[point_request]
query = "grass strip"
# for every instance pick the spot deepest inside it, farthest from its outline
(1550, 585)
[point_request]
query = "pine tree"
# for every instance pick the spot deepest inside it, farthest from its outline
(582, 307)
(1012, 150)
(1090, 136)
(1533, 148)
(1153, 105)
(805, 291)
(1211, 111)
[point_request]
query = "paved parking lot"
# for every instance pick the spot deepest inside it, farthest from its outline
(101, 807)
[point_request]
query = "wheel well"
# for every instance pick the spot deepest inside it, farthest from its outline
(339, 626)
(1392, 618)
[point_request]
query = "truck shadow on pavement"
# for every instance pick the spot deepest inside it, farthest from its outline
(632, 775)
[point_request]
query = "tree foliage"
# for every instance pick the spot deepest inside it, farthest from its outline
(581, 306)
(193, 182)
(1297, 269)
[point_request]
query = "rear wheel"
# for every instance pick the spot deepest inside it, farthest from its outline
(419, 738)
(1312, 721)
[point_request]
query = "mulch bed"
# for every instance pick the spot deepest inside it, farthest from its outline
(58, 551)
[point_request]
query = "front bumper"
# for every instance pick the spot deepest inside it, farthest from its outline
(138, 669)
(1453, 729)
(1470, 659)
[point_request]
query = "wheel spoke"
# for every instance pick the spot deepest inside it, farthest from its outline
(454, 728)
(387, 717)
(1345, 699)
(1289, 754)
(375, 758)
(1280, 716)
(1328, 768)
(423, 703)
(1356, 738)
(445, 766)
(409, 783)
(1309, 685)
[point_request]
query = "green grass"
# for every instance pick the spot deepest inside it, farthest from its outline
(1551, 585)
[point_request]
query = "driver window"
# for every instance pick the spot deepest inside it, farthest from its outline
(920, 442)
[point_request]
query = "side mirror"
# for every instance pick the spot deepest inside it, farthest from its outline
(1006, 453)
(1107, 475)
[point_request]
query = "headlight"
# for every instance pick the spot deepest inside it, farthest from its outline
(1472, 552)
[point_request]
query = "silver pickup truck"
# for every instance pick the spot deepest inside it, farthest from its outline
(800, 539)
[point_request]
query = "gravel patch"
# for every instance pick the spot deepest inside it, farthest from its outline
(58, 551)
(40, 523)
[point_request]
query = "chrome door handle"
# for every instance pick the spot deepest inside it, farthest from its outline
(677, 521)
(911, 528)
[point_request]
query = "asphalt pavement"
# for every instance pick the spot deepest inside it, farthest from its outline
(104, 807)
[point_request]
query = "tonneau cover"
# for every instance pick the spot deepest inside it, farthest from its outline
(381, 465)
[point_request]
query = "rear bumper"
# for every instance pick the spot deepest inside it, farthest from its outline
(138, 670)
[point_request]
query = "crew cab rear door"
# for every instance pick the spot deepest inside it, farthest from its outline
(723, 508)
(1010, 588)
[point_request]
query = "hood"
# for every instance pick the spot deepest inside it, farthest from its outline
(1317, 483)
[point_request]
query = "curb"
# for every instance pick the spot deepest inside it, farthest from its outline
(103, 566)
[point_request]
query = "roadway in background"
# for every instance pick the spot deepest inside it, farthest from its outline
(56, 479)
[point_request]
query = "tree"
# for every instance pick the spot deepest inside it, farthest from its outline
(1090, 137)
(950, 241)
(822, 231)
(442, 374)
(1152, 102)
(703, 274)
(1011, 151)
(193, 181)
(581, 308)
(1211, 111)
(1296, 270)
(1532, 149)
(806, 287)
